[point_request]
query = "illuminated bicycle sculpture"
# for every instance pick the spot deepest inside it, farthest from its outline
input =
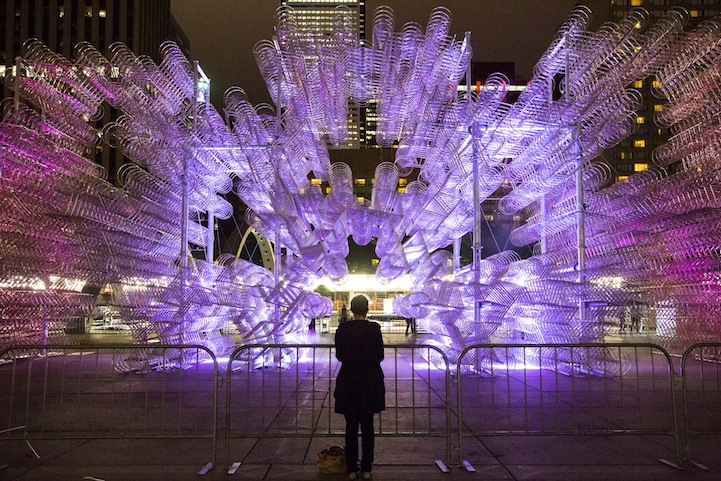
(651, 242)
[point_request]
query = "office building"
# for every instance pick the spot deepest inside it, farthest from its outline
(320, 16)
(634, 154)
(142, 25)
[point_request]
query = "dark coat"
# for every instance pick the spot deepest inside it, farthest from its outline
(359, 386)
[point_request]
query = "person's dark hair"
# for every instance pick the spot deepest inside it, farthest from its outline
(359, 306)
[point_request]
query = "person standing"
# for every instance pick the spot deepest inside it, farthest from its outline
(635, 317)
(410, 325)
(359, 390)
(343, 314)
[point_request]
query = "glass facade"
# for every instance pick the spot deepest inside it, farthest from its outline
(648, 136)
(320, 16)
(142, 25)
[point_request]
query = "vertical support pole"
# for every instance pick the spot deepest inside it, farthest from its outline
(184, 211)
(276, 257)
(457, 242)
(456, 255)
(210, 235)
(476, 201)
(580, 223)
(16, 96)
(544, 219)
(278, 98)
(184, 247)
(544, 205)
(199, 76)
(475, 179)
(46, 331)
(580, 208)
(276, 270)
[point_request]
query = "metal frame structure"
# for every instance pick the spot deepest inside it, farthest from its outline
(648, 244)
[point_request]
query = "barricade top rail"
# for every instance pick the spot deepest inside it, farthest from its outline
(332, 346)
(90, 347)
(582, 345)
(81, 347)
(565, 344)
(693, 347)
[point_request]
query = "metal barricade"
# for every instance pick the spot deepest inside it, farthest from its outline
(109, 392)
(701, 374)
(286, 390)
(566, 389)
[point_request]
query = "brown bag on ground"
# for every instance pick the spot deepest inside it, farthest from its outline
(331, 460)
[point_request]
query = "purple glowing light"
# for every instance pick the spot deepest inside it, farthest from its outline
(657, 233)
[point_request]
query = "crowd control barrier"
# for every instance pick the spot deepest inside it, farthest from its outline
(566, 389)
(110, 391)
(701, 374)
(284, 390)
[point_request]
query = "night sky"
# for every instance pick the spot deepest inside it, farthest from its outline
(222, 33)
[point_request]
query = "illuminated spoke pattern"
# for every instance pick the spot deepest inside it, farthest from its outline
(647, 247)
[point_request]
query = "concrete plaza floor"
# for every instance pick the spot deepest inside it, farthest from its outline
(518, 458)
(409, 458)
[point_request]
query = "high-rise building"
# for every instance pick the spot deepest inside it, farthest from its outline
(319, 16)
(633, 154)
(142, 25)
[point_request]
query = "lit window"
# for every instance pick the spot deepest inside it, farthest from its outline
(361, 200)
(489, 218)
(658, 107)
(402, 181)
(621, 178)
(327, 190)
(401, 189)
(693, 13)
(637, 3)
(315, 181)
(655, 84)
(639, 143)
(61, 12)
(623, 155)
(375, 262)
(102, 14)
(640, 167)
(516, 218)
(637, 26)
(640, 120)
(638, 84)
(360, 182)
(2, 70)
(88, 11)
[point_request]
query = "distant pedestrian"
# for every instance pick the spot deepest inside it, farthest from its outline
(343, 314)
(410, 325)
(635, 317)
(360, 389)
